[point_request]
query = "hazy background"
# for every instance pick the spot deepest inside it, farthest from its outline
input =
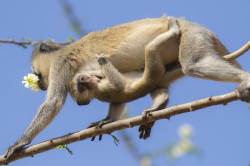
(222, 133)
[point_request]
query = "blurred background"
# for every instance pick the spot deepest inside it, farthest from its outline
(217, 135)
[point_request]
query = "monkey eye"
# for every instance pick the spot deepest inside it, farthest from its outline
(38, 75)
(99, 77)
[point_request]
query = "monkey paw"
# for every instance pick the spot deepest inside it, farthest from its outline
(243, 91)
(16, 147)
(147, 111)
(102, 59)
(145, 130)
(99, 124)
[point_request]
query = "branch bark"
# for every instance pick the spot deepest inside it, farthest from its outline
(25, 43)
(119, 125)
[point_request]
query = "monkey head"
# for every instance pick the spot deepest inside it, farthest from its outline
(82, 88)
(41, 60)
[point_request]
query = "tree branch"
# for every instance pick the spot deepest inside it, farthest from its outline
(25, 43)
(119, 125)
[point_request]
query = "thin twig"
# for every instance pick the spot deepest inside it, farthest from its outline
(25, 43)
(73, 19)
(119, 125)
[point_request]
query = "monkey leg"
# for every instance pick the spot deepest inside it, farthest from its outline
(115, 112)
(218, 69)
(160, 97)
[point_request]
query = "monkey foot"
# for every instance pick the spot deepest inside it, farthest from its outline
(18, 146)
(145, 130)
(99, 124)
(147, 111)
(243, 91)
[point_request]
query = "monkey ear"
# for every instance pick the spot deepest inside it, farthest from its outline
(49, 47)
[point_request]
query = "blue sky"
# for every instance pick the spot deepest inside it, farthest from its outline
(221, 132)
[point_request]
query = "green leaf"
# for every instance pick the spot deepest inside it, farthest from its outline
(64, 147)
(116, 141)
(34, 43)
(50, 40)
(70, 39)
(40, 40)
(27, 39)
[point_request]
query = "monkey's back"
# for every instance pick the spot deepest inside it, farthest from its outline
(124, 44)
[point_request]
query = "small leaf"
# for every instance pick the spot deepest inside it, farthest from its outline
(70, 39)
(50, 40)
(116, 141)
(70, 152)
(34, 43)
(40, 40)
(63, 147)
(27, 39)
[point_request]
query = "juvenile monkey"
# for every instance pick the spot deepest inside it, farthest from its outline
(108, 84)
(198, 52)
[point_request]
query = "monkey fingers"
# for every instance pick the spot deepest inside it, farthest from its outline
(147, 111)
(145, 130)
(99, 124)
(100, 138)
(12, 149)
(243, 91)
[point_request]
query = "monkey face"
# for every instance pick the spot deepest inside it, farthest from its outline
(82, 88)
(42, 57)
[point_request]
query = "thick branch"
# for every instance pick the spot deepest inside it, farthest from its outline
(119, 125)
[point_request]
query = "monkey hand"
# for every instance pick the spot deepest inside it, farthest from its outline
(102, 59)
(16, 147)
(145, 130)
(243, 91)
(99, 124)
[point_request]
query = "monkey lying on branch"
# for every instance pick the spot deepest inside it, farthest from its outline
(197, 50)
(108, 84)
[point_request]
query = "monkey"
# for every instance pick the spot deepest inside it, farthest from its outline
(198, 51)
(108, 84)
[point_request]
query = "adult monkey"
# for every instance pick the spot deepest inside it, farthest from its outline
(198, 55)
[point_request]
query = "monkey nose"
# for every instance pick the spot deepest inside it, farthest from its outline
(83, 78)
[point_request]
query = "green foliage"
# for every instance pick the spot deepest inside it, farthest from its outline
(116, 140)
(27, 39)
(70, 39)
(64, 147)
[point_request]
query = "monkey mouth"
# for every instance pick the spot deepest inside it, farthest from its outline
(83, 102)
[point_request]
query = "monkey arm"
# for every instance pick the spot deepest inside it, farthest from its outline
(56, 97)
(115, 112)
(116, 80)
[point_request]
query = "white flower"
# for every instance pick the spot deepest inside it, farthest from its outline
(177, 152)
(185, 131)
(31, 81)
